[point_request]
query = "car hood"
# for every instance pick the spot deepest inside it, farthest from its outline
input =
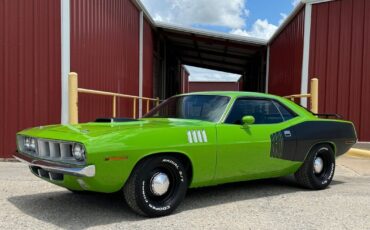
(95, 129)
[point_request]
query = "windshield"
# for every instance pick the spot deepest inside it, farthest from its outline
(199, 107)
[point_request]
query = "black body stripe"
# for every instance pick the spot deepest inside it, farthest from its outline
(305, 135)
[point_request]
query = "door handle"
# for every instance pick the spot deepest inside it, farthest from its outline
(287, 133)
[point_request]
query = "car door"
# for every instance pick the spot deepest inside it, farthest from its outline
(244, 150)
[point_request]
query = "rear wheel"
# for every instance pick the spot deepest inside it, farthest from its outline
(318, 168)
(156, 186)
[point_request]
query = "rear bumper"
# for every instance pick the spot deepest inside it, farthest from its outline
(74, 170)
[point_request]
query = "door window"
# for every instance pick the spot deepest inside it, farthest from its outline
(263, 111)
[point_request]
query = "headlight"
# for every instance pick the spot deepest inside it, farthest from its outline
(30, 143)
(78, 152)
(33, 144)
(27, 142)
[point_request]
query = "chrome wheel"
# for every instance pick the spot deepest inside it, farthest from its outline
(318, 165)
(159, 184)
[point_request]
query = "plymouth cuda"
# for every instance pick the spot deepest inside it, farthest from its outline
(188, 141)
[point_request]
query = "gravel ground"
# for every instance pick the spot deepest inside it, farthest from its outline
(28, 202)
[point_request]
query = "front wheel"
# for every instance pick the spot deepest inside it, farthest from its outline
(318, 168)
(156, 186)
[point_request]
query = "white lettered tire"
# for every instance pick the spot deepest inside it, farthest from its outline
(156, 186)
(318, 169)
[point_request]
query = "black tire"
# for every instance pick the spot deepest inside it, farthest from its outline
(307, 177)
(138, 190)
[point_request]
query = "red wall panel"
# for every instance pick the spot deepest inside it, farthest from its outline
(286, 52)
(105, 54)
(29, 67)
(339, 49)
(213, 86)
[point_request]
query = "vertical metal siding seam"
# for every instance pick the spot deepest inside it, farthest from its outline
(65, 56)
(267, 69)
(306, 52)
(141, 31)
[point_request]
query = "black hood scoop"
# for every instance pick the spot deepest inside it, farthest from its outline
(114, 119)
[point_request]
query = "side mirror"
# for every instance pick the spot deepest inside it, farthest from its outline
(248, 120)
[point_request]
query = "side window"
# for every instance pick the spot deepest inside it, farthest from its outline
(285, 112)
(263, 111)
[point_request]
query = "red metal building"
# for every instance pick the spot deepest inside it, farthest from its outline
(104, 51)
(328, 40)
(115, 45)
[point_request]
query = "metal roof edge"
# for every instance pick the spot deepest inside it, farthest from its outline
(238, 38)
(141, 7)
(315, 1)
(287, 20)
(296, 10)
(186, 69)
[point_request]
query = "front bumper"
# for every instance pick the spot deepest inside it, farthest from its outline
(74, 170)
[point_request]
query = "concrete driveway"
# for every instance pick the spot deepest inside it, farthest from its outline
(27, 202)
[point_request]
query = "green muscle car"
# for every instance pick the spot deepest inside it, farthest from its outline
(190, 140)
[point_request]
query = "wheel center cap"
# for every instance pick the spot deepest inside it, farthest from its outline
(159, 184)
(318, 165)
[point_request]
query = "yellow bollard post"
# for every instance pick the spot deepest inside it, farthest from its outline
(314, 95)
(147, 106)
(114, 106)
(73, 98)
(157, 101)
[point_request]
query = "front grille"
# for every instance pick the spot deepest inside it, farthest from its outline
(53, 150)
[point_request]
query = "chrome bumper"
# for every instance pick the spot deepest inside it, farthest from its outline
(87, 171)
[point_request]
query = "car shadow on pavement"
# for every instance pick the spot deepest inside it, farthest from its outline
(68, 210)
(227, 193)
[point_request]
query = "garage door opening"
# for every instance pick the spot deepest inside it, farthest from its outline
(178, 47)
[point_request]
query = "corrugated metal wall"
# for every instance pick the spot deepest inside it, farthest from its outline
(286, 52)
(29, 67)
(339, 57)
(105, 54)
(213, 86)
